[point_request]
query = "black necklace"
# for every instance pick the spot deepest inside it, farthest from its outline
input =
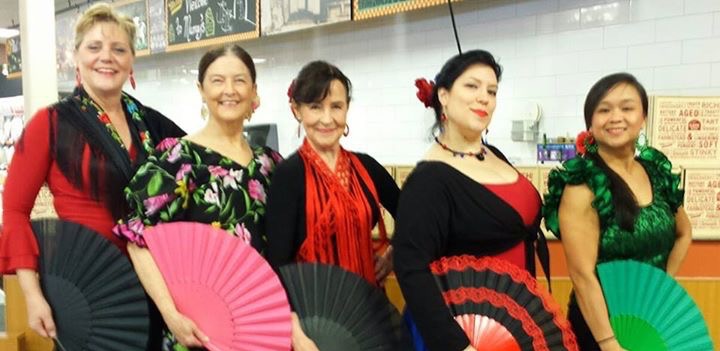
(480, 155)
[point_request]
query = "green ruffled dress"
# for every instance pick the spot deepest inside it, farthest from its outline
(654, 233)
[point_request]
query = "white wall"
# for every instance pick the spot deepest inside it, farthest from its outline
(552, 52)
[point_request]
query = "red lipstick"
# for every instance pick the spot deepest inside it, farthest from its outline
(480, 113)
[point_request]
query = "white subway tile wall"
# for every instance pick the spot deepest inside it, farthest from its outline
(552, 52)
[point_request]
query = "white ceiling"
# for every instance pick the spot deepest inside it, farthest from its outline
(9, 9)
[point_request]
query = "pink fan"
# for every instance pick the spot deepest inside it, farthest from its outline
(223, 285)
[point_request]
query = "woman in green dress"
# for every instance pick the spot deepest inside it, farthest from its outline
(618, 200)
(213, 176)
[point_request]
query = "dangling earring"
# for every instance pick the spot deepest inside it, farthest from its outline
(641, 143)
(78, 80)
(484, 138)
(443, 117)
(204, 111)
(132, 80)
(255, 103)
(298, 130)
(347, 130)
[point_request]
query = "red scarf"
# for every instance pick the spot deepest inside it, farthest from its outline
(338, 215)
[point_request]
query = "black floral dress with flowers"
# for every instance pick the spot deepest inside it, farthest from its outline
(184, 181)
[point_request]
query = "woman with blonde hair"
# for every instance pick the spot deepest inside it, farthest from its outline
(85, 147)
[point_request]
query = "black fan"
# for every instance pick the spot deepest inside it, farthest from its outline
(95, 295)
(339, 310)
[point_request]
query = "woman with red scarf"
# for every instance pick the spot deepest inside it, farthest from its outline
(325, 200)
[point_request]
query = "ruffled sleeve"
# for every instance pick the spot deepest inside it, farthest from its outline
(576, 171)
(664, 181)
(159, 191)
(28, 171)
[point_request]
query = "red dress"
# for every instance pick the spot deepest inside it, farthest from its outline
(515, 195)
(31, 166)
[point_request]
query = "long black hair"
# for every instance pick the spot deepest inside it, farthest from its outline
(624, 201)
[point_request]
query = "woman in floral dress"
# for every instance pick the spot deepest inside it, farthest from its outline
(213, 176)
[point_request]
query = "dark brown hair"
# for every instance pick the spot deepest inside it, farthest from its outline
(209, 57)
(313, 82)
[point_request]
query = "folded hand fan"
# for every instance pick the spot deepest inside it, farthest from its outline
(95, 295)
(339, 310)
(223, 285)
(510, 296)
(649, 310)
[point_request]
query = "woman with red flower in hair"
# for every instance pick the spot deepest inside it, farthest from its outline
(616, 200)
(463, 198)
(325, 200)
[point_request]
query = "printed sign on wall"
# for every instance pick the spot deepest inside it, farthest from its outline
(687, 130)
(702, 202)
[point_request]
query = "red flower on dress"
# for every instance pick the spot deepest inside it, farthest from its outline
(583, 140)
(425, 91)
(105, 118)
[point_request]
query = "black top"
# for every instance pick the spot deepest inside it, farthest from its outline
(285, 217)
(443, 212)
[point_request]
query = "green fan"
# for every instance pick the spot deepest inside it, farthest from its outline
(649, 310)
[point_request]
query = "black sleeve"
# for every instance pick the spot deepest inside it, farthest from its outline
(387, 189)
(285, 212)
(161, 127)
(421, 234)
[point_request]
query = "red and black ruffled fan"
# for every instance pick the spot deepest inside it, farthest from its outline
(501, 306)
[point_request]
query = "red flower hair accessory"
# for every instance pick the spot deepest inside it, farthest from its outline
(585, 143)
(291, 90)
(425, 91)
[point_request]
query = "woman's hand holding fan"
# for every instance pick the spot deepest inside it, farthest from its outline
(40, 315)
(185, 330)
(300, 341)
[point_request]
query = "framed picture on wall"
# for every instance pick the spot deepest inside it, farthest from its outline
(65, 44)
(195, 23)
(281, 16)
(363, 9)
(137, 10)
(14, 57)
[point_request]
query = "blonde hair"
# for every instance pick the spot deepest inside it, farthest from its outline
(103, 13)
